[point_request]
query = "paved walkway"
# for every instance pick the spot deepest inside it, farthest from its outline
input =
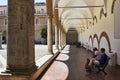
(69, 65)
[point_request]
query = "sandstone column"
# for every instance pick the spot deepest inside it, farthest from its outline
(56, 19)
(56, 37)
(60, 46)
(20, 49)
(49, 24)
(64, 39)
(50, 35)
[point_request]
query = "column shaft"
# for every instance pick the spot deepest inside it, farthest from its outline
(60, 47)
(56, 37)
(50, 35)
(20, 48)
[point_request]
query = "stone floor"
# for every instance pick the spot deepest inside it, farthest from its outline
(41, 55)
(69, 65)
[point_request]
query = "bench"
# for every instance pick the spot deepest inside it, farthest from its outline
(101, 68)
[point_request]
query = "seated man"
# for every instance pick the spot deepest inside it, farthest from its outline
(100, 61)
(96, 55)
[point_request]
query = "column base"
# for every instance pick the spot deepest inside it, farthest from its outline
(51, 53)
(60, 48)
(21, 71)
(56, 48)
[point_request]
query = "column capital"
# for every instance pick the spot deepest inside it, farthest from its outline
(50, 16)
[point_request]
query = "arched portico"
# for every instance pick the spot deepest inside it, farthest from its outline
(65, 16)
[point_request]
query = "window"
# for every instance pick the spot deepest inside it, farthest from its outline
(42, 10)
(1, 12)
(117, 20)
(35, 11)
(37, 21)
(4, 12)
(38, 12)
(6, 21)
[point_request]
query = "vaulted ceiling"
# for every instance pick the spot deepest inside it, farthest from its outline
(76, 13)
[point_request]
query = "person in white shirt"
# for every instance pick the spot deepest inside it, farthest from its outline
(97, 54)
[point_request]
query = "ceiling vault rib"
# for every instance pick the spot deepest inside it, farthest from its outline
(80, 6)
(76, 18)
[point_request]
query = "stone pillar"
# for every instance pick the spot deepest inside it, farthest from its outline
(65, 38)
(56, 37)
(62, 39)
(49, 8)
(60, 47)
(0, 40)
(50, 35)
(20, 48)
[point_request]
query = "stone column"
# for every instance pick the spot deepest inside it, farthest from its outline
(20, 48)
(60, 47)
(56, 37)
(50, 35)
(65, 38)
(0, 40)
(49, 8)
(62, 39)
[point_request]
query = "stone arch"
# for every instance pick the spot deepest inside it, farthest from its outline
(105, 3)
(105, 35)
(96, 37)
(90, 38)
(112, 8)
(102, 13)
(95, 19)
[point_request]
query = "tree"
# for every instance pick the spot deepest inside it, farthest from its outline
(44, 32)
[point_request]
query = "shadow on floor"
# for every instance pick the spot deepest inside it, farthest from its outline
(69, 65)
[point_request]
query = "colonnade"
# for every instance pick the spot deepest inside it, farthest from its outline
(20, 43)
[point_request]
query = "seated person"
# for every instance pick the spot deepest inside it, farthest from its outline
(97, 54)
(100, 61)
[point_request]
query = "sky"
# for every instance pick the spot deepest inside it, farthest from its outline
(4, 2)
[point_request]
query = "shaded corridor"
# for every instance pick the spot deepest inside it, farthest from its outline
(69, 65)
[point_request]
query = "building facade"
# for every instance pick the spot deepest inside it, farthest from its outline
(39, 21)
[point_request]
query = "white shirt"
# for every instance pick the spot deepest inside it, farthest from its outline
(98, 54)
